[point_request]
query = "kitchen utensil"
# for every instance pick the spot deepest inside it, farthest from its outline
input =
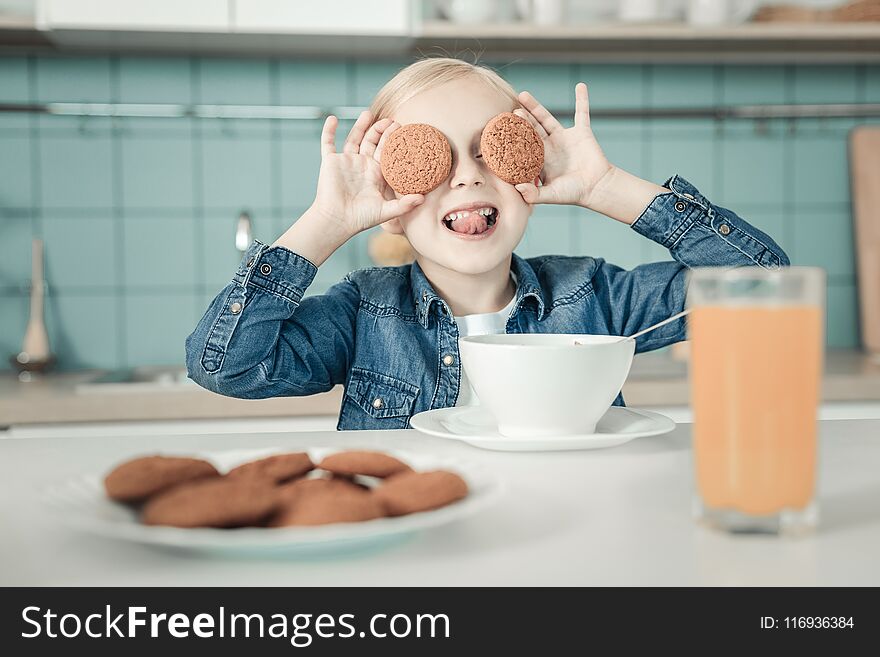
(649, 329)
(82, 504)
(658, 325)
(542, 384)
(35, 355)
(476, 426)
(468, 12)
(639, 11)
(719, 12)
(865, 171)
(243, 231)
(756, 374)
(548, 12)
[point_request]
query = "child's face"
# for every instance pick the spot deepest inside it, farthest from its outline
(460, 110)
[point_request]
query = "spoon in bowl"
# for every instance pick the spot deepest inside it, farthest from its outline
(658, 324)
(651, 328)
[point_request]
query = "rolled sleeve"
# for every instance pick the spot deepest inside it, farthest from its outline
(260, 337)
(263, 270)
(697, 234)
(275, 270)
(700, 234)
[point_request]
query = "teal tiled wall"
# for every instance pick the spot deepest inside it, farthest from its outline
(138, 215)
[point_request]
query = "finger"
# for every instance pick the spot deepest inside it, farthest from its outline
(328, 136)
(394, 125)
(371, 139)
(400, 206)
(532, 194)
(533, 121)
(544, 117)
(356, 134)
(581, 106)
(387, 193)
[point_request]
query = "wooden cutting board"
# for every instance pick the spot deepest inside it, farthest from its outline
(865, 173)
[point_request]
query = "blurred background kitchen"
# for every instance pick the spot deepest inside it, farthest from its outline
(144, 144)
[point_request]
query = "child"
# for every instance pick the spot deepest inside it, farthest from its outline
(390, 335)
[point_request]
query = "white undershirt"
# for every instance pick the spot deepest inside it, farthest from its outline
(479, 324)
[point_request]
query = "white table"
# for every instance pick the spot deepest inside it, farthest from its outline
(618, 516)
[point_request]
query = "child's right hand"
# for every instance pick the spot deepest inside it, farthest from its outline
(351, 189)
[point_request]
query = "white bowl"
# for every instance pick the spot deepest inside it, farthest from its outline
(547, 384)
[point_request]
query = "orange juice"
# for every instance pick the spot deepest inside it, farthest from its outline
(755, 385)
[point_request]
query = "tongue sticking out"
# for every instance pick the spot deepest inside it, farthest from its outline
(471, 224)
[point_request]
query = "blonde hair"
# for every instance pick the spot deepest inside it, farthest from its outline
(432, 72)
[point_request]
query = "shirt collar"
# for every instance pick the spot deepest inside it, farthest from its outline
(527, 285)
(425, 298)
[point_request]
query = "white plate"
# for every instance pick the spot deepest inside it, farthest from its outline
(476, 426)
(83, 505)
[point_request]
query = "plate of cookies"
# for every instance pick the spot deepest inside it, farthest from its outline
(316, 501)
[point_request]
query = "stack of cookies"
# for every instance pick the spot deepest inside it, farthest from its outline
(283, 490)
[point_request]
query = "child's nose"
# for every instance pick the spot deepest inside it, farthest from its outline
(466, 172)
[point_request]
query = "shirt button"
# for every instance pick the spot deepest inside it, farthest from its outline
(448, 359)
(378, 403)
(235, 308)
(265, 269)
(680, 206)
(724, 229)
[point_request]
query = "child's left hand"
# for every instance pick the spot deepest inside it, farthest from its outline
(573, 161)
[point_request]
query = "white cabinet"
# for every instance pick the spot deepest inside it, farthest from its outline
(135, 15)
(339, 17)
(336, 17)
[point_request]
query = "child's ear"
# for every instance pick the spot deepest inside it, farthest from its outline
(393, 226)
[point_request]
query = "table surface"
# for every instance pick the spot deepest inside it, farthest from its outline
(617, 516)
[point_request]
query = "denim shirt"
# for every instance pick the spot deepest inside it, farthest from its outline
(386, 335)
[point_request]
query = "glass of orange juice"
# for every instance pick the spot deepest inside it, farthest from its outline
(757, 344)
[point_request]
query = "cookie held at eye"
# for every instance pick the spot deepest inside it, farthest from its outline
(415, 159)
(362, 462)
(220, 502)
(512, 149)
(412, 492)
(277, 468)
(140, 478)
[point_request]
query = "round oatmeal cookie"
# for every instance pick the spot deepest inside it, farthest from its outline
(224, 502)
(412, 492)
(415, 159)
(276, 469)
(323, 505)
(294, 489)
(361, 462)
(512, 149)
(138, 479)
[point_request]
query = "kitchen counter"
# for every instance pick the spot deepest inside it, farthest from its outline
(617, 516)
(656, 379)
(69, 397)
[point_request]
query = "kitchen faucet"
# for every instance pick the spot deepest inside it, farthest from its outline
(243, 231)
